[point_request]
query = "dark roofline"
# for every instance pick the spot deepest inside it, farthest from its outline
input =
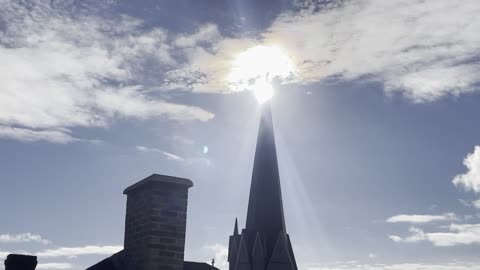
(158, 178)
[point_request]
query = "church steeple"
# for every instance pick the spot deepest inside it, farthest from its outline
(235, 229)
(265, 207)
(265, 231)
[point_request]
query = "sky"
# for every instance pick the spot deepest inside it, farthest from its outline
(378, 146)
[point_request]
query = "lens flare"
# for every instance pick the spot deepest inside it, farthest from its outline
(262, 90)
(255, 68)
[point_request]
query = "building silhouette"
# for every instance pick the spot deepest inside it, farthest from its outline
(155, 224)
(264, 243)
(156, 215)
(155, 221)
(157, 210)
(20, 262)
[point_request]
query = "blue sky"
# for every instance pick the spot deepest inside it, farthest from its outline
(378, 146)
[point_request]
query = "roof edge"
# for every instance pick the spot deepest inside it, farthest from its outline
(158, 178)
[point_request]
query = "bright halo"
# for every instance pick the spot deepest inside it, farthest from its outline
(255, 68)
(262, 90)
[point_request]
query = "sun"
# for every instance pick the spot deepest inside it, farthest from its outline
(255, 68)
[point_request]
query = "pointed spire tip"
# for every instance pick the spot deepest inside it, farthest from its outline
(235, 229)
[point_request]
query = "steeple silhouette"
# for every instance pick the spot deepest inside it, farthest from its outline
(265, 207)
(235, 229)
(264, 240)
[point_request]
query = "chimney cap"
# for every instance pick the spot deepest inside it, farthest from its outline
(158, 178)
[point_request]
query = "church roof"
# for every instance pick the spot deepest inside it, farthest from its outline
(116, 262)
(197, 266)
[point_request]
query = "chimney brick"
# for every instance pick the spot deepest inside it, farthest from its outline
(155, 223)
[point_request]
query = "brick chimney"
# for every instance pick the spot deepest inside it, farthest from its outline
(155, 223)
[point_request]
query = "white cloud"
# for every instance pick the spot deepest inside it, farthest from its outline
(3, 255)
(54, 266)
(372, 255)
(421, 218)
(221, 255)
(23, 238)
(192, 160)
(470, 180)
(421, 49)
(77, 251)
(206, 67)
(168, 155)
(30, 135)
(129, 102)
(207, 33)
(67, 68)
(395, 238)
(172, 156)
(416, 236)
(424, 49)
(457, 234)
(476, 204)
(454, 265)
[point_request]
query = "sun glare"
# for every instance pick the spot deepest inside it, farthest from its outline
(255, 68)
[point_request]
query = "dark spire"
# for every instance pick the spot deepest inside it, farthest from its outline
(265, 208)
(235, 229)
(264, 243)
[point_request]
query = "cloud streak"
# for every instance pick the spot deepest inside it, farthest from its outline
(54, 266)
(167, 155)
(457, 234)
(77, 251)
(23, 238)
(60, 136)
(454, 265)
(421, 218)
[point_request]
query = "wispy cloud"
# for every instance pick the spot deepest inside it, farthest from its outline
(168, 155)
(470, 180)
(77, 251)
(172, 156)
(29, 135)
(476, 204)
(416, 236)
(23, 238)
(68, 68)
(200, 160)
(423, 49)
(54, 266)
(421, 218)
(453, 265)
(457, 234)
(69, 252)
(47, 266)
